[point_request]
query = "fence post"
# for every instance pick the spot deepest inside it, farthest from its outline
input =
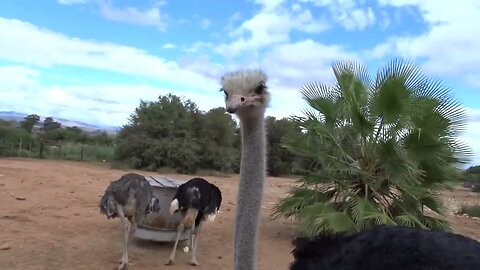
(81, 153)
(41, 149)
(20, 148)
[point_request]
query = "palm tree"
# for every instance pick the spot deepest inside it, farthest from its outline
(380, 150)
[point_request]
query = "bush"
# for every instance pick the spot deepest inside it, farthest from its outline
(470, 210)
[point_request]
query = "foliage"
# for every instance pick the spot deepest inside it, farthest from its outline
(29, 121)
(165, 134)
(58, 143)
(281, 161)
(218, 141)
(11, 137)
(380, 150)
(470, 210)
(49, 124)
(472, 174)
(173, 133)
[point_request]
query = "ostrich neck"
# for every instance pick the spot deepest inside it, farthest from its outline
(250, 190)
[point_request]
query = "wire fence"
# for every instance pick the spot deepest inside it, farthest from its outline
(66, 150)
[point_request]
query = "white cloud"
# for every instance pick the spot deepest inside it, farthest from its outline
(303, 61)
(23, 92)
(205, 23)
(347, 13)
(17, 77)
(269, 5)
(203, 65)
(169, 46)
(272, 25)
(151, 16)
(72, 2)
(54, 49)
(148, 17)
(197, 46)
(472, 133)
(450, 46)
(357, 19)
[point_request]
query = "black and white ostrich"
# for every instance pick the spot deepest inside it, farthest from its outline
(130, 198)
(197, 200)
(383, 247)
(387, 247)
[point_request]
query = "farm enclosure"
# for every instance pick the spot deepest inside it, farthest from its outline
(49, 219)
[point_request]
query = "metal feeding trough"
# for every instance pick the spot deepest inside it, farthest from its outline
(161, 226)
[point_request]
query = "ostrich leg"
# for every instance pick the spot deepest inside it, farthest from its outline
(126, 235)
(171, 259)
(193, 260)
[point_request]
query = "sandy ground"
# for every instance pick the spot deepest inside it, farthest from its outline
(49, 219)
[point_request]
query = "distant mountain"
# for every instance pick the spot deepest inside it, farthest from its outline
(17, 117)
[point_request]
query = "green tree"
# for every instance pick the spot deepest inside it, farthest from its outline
(29, 122)
(474, 169)
(218, 138)
(10, 139)
(472, 174)
(381, 150)
(281, 161)
(161, 134)
(49, 124)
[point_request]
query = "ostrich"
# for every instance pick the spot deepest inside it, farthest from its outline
(246, 96)
(198, 201)
(130, 198)
(383, 247)
(387, 247)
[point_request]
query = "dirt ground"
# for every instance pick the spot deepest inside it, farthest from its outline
(49, 219)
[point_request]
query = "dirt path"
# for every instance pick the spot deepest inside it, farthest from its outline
(58, 224)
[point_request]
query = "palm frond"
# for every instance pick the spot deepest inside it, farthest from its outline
(379, 150)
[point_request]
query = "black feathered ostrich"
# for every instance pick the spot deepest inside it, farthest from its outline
(130, 198)
(383, 247)
(197, 200)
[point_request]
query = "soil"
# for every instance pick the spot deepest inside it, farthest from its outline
(49, 219)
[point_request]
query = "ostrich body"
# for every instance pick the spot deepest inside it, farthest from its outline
(246, 96)
(198, 201)
(383, 247)
(387, 247)
(130, 198)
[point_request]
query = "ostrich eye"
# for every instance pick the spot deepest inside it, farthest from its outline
(260, 89)
(225, 92)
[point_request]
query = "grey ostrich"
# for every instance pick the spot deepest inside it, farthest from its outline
(130, 198)
(383, 247)
(246, 96)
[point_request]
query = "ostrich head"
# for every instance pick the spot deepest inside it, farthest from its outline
(245, 92)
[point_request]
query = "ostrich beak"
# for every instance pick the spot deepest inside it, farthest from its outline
(236, 102)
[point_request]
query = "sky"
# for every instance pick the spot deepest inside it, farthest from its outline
(94, 60)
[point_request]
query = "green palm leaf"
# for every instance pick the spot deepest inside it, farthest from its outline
(380, 149)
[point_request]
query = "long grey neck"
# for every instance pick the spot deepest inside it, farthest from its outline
(250, 191)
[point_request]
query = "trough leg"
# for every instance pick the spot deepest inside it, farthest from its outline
(126, 235)
(171, 259)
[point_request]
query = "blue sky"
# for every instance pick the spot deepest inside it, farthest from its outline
(93, 60)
